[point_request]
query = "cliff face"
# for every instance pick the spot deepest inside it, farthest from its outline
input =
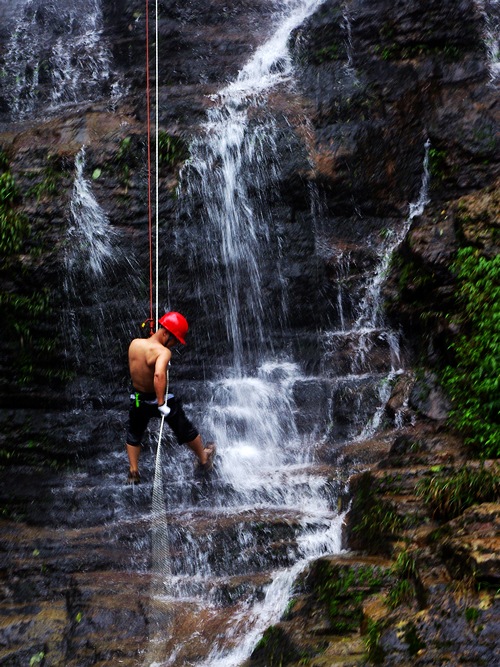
(384, 93)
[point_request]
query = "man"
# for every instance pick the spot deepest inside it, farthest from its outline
(148, 363)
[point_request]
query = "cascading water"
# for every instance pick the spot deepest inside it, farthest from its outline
(269, 508)
(94, 261)
(369, 331)
(89, 251)
(42, 73)
(490, 10)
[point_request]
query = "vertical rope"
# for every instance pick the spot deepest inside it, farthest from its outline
(157, 160)
(150, 217)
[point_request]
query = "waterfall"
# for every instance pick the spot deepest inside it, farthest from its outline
(56, 56)
(232, 167)
(278, 506)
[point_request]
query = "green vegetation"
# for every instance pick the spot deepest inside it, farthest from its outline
(124, 159)
(395, 51)
(21, 306)
(13, 225)
(37, 659)
(472, 615)
(274, 649)
(413, 640)
(374, 520)
(375, 652)
(448, 495)
(21, 315)
(49, 184)
(328, 53)
(405, 571)
(473, 380)
(171, 150)
(343, 589)
(437, 164)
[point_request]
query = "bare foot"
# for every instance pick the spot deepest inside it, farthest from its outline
(207, 462)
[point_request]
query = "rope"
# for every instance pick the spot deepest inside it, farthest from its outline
(153, 275)
(157, 143)
(150, 217)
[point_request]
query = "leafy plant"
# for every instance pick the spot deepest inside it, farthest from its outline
(171, 150)
(374, 650)
(448, 496)
(50, 182)
(473, 380)
(413, 640)
(37, 659)
(405, 571)
(13, 225)
(472, 614)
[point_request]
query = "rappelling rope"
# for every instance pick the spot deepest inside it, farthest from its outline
(160, 613)
(157, 152)
(153, 274)
(150, 219)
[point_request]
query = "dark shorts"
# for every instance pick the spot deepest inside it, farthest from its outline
(147, 408)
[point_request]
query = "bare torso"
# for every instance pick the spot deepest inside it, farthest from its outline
(148, 361)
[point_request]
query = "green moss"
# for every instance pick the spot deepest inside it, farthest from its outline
(374, 519)
(405, 573)
(342, 590)
(393, 50)
(472, 614)
(437, 164)
(329, 53)
(49, 180)
(275, 649)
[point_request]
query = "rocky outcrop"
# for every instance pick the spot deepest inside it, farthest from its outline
(412, 589)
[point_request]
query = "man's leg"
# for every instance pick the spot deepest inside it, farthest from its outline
(186, 433)
(203, 453)
(133, 452)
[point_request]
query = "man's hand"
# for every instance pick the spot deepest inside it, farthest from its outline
(164, 410)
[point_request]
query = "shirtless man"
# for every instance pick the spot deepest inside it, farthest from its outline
(148, 363)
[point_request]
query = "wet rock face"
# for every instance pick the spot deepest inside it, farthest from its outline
(374, 81)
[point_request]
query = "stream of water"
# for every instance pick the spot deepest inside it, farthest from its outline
(277, 505)
(57, 56)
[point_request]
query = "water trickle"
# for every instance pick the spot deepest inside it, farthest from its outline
(369, 335)
(490, 10)
(90, 252)
(56, 56)
(90, 236)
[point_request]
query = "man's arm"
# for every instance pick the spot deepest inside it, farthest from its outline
(160, 376)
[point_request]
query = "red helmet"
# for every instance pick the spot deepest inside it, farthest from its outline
(176, 324)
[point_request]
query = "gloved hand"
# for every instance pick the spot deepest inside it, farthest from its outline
(164, 410)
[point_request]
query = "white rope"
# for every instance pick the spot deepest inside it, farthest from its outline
(160, 616)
